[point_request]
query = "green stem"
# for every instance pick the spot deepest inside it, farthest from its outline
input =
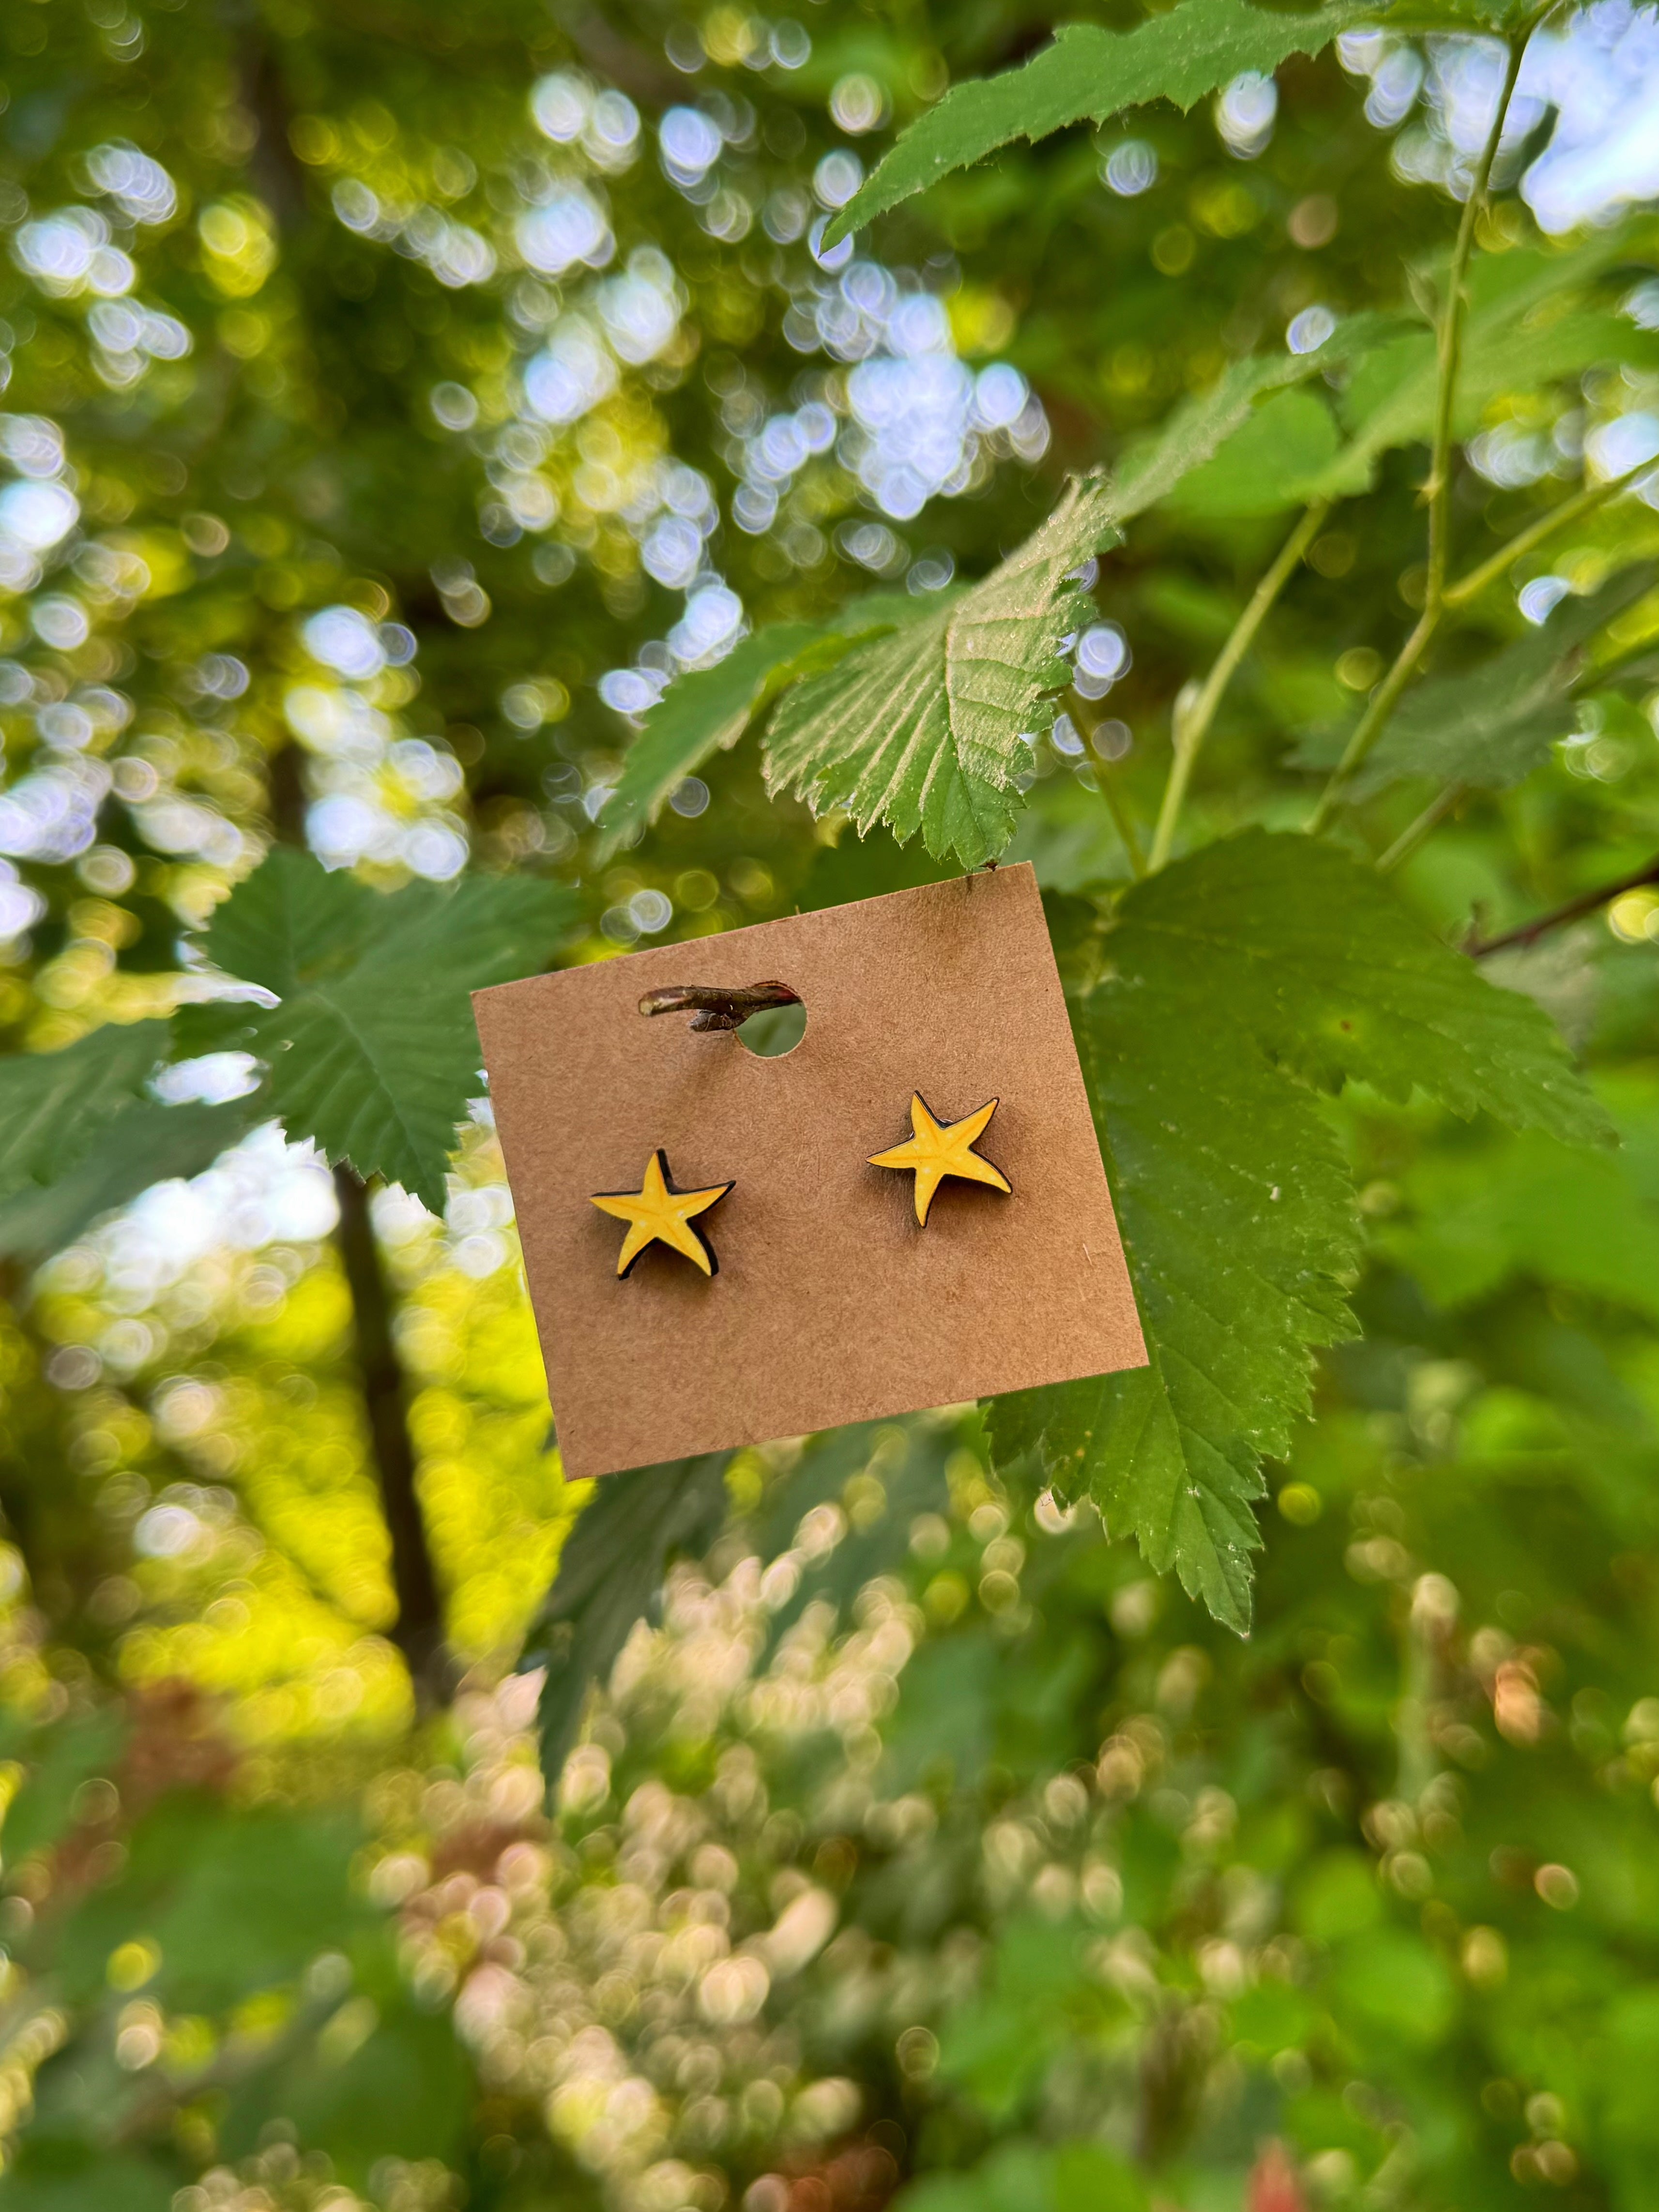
(1438, 488)
(1192, 727)
(1448, 797)
(1526, 541)
(1414, 832)
(1105, 772)
(1376, 715)
(1121, 821)
(1450, 341)
(1420, 1671)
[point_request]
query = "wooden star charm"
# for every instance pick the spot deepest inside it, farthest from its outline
(940, 1149)
(658, 1213)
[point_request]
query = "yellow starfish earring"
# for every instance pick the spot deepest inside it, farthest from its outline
(658, 1213)
(938, 1149)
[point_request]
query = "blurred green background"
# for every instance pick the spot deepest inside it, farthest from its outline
(399, 395)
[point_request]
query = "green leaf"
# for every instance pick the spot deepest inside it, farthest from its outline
(1037, 1998)
(372, 1051)
(856, 868)
(1259, 960)
(64, 1757)
(1391, 1981)
(1497, 361)
(1214, 423)
(1337, 1897)
(289, 922)
(1021, 2176)
(1088, 72)
(1564, 1216)
(383, 2076)
(145, 1144)
(610, 1569)
(1239, 1225)
(1268, 464)
(1534, 283)
(55, 1105)
(913, 1477)
(235, 1900)
(1493, 725)
(925, 730)
(1337, 982)
(1522, 331)
(712, 707)
(62, 2178)
(1624, 2100)
(1411, 19)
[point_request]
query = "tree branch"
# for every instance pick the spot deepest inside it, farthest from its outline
(40, 1496)
(1575, 909)
(279, 176)
(418, 1630)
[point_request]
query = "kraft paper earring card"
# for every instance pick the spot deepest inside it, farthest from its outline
(830, 1302)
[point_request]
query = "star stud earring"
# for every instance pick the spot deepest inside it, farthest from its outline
(938, 1149)
(657, 1213)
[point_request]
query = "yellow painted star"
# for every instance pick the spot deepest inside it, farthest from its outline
(940, 1149)
(657, 1213)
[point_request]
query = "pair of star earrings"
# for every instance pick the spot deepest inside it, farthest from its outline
(657, 1213)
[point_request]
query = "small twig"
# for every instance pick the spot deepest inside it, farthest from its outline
(1574, 910)
(715, 1007)
(1415, 831)
(1570, 510)
(1192, 727)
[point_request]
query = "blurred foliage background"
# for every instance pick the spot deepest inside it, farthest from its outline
(398, 397)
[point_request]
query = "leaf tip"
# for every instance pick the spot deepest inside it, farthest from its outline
(839, 227)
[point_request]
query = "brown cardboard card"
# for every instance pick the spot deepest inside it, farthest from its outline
(831, 1304)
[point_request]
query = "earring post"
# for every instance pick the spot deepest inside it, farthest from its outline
(717, 1007)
